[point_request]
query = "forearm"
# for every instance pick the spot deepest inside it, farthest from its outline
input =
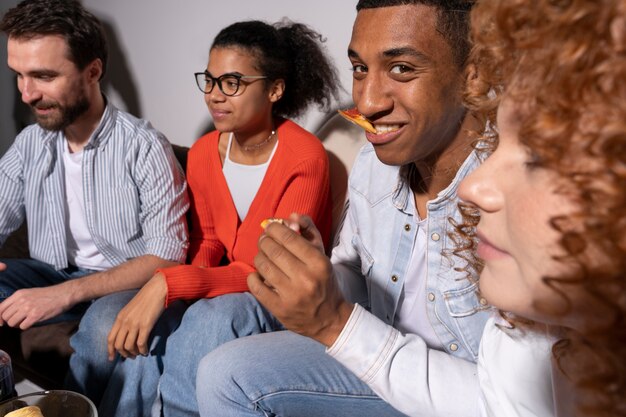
(403, 371)
(131, 274)
(189, 282)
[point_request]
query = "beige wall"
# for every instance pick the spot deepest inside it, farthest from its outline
(156, 46)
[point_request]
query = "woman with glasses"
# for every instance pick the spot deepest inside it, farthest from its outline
(256, 165)
(551, 200)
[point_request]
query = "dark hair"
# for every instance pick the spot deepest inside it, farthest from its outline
(452, 21)
(288, 51)
(82, 30)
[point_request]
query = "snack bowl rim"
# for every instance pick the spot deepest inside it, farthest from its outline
(53, 392)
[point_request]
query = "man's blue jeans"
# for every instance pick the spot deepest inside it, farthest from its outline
(31, 273)
(282, 374)
(206, 325)
(163, 382)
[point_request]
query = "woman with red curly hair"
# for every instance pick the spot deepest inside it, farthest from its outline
(550, 77)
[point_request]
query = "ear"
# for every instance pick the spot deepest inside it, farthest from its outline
(93, 71)
(277, 89)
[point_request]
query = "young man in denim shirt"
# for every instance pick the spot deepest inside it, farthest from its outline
(392, 321)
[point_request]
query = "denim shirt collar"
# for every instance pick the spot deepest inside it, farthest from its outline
(402, 192)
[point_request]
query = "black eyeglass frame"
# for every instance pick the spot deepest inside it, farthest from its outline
(218, 81)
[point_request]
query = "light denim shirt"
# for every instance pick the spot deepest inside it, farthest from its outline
(374, 250)
(134, 192)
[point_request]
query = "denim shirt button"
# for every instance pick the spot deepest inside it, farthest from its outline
(435, 237)
(407, 227)
(454, 347)
(431, 296)
(482, 301)
(394, 278)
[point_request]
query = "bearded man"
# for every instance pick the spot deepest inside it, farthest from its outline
(101, 191)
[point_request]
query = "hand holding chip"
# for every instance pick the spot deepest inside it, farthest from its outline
(295, 280)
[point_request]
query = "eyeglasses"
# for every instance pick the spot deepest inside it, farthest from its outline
(228, 83)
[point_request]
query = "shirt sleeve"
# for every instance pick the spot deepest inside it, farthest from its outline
(515, 371)
(347, 263)
(11, 192)
(164, 201)
(403, 371)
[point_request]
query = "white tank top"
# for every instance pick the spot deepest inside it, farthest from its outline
(81, 250)
(244, 181)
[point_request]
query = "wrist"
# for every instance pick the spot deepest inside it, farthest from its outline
(329, 334)
(158, 287)
(75, 290)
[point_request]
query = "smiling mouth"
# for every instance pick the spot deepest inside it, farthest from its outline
(382, 129)
(219, 113)
(385, 133)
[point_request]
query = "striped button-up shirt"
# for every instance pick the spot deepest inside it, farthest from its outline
(134, 192)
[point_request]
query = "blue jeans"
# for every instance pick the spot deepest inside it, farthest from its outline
(206, 325)
(282, 374)
(31, 273)
(163, 382)
(92, 374)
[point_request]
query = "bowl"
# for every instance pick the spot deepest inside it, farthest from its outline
(55, 403)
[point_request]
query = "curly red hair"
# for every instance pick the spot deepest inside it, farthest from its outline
(564, 63)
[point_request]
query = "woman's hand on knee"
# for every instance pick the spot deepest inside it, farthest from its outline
(131, 330)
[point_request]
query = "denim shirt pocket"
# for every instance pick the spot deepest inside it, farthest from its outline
(468, 316)
(367, 261)
(463, 302)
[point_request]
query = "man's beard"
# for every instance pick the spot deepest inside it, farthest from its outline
(63, 116)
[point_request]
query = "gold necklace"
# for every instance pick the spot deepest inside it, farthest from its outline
(256, 146)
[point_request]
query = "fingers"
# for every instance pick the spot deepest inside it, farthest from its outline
(129, 345)
(260, 289)
(287, 248)
(123, 338)
(3, 266)
(274, 261)
(142, 341)
(3, 307)
(131, 331)
(28, 322)
(13, 316)
(308, 230)
(111, 340)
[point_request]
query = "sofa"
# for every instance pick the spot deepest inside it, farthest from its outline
(41, 353)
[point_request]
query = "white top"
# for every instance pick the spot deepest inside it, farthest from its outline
(244, 180)
(81, 249)
(412, 315)
(515, 371)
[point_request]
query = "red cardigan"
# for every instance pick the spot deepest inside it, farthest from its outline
(222, 247)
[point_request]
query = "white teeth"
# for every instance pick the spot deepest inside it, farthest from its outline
(386, 128)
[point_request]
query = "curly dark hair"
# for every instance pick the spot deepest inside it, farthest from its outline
(564, 63)
(289, 51)
(82, 31)
(452, 21)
